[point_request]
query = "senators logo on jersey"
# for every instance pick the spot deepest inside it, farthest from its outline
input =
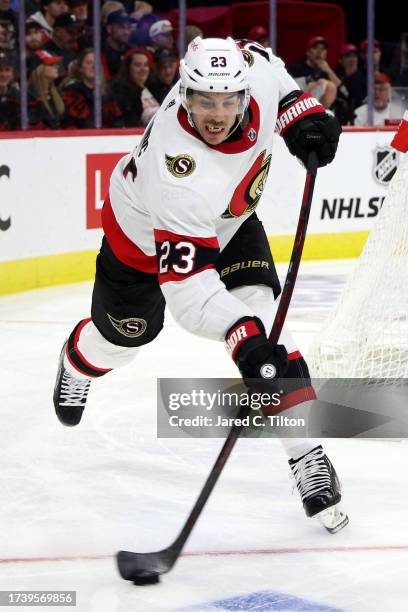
(248, 193)
(131, 328)
(181, 165)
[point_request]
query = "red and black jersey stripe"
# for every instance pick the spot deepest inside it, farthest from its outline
(181, 256)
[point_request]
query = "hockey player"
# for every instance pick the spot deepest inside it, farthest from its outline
(181, 229)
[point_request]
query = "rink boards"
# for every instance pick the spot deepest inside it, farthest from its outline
(52, 191)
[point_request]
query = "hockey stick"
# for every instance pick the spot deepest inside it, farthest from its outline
(145, 568)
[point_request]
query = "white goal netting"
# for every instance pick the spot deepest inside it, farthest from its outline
(367, 336)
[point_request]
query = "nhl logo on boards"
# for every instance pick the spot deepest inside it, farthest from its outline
(181, 165)
(385, 164)
(131, 328)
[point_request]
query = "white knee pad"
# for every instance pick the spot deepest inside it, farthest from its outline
(99, 352)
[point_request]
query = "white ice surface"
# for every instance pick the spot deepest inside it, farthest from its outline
(81, 494)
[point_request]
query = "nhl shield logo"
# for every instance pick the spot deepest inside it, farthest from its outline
(131, 328)
(252, 134)
(385, 164)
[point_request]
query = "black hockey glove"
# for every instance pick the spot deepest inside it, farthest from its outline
(305, 126)
(254, 355)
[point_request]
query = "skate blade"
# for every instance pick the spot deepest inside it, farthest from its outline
(333, 519)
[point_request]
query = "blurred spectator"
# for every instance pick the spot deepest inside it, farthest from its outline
(164, 75)
(377, 55)
(143, 18)
(140, 10)
(3, 38)
(192, 32)
(78, 95)
(9, 93)
(378, 66)
(118, 27)
(111, 6)
(79, 9)
(161, 35)
(83, 37)
(8, 19)
(314, 74)
(51, 9)
(383, 107)
(45, 105)
(259, 34)
(348, 61)
(35, 39)
(350, 92)
(62, 39)
(135, 101)
(31, 6)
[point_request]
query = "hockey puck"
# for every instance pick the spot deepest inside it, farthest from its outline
(147, 579)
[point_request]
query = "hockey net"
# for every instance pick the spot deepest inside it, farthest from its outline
(367, 336)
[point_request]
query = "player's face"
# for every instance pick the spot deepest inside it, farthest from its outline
(214, 114)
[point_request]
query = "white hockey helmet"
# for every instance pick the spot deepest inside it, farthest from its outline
(214, 65)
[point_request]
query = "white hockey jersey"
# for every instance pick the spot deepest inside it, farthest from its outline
(176, 201)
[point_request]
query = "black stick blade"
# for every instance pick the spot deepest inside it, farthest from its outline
(143, 568)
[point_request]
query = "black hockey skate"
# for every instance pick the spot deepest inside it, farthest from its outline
(70, 394)
(319, 488)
